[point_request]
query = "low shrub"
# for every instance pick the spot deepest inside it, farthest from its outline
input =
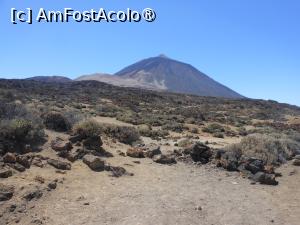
(88, 128)
(56, 121)
(124, 134)
(213, 128)
(146, 131)
(16, 133)
(173, 126)
(272, 148)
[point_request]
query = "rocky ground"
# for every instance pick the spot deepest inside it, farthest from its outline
(101, 181)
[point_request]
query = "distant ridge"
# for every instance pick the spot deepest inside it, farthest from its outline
(55, 79)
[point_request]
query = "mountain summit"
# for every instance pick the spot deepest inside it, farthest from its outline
(165, 74)
(168, 74)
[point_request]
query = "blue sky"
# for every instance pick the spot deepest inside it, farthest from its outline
(252, 46)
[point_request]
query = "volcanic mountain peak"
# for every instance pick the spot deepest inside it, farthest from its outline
(163, 73)
(175, 76)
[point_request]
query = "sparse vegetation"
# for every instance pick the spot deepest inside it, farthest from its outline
(56, 121)
(88, 128)
(126, 135)
(273, 148)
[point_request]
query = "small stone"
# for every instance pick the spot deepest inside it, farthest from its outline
(5, 173)
(9, 158)
(19, 167)
(135, 152)
(60, 145)
(6, 192)
(94, 163)
(33, 194)
(52, 185)
(198, 208)
(264, 178)
(164, 159)
(296, 162)
(59, 164)
(25, 160)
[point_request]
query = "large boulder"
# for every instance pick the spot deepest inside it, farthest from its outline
(9, 158)
(164, 159)
(6, 192)
(151, 150)
(60, 145)
(264, 178)
(199, 152)
(93, 143)
(94, 163)
(59, 164)
(135, 152)
(5, 173)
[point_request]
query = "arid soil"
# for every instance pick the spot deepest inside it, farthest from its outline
(155, 194)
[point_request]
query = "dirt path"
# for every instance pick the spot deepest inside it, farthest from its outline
(160, 194)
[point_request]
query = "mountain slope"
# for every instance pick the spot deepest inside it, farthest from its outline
(167, 74)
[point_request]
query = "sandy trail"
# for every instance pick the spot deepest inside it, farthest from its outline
(160, 194)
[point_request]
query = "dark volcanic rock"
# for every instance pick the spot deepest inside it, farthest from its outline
(199, 152)
(117, 171)
(254, 165)
(164, 159)
(33, 194)
(76, 138)
(6, 192)
(135, 152)
(61, 145)
(59, 164)
(264, 178)
(94, 162)
(151, 150)
(229, 161)
(18, 167)
(296, 162)
(9, 158)
(52, 185)
(76, 154)
(25, 160)
(93, 143)
(5, 173)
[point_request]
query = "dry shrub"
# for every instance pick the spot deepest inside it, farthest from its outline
(88, 128)
(272, 148)
(56, 121)
(124, 134)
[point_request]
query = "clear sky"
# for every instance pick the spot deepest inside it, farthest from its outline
(252, 46)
